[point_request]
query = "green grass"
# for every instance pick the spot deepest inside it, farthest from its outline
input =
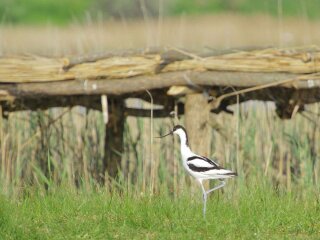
(254, 212)
(282, 155)
(62, 12)
(308, 9)
(283, 204)
(43, 12)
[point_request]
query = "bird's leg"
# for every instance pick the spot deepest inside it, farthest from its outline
(204, 198)
(204, 204)
(217, 187)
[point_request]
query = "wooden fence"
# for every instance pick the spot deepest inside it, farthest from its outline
(210, 82)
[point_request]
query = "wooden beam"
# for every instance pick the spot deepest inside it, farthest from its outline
(281, 96)
(164, 80)
(138, 112)
(27, 69)
(90, 102)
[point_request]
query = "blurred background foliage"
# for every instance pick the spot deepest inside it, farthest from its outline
(42, 11)
(60, 12)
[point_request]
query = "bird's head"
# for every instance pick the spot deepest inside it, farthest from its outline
(178, 129)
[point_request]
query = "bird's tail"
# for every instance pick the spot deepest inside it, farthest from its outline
(232, 174)
(229, 173)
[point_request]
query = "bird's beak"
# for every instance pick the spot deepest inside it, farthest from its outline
(170, 133)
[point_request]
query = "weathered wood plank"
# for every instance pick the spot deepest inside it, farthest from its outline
(165, 80)
(41, 69)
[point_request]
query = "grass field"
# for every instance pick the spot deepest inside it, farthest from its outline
(254, 212)
(276, 195)
(58, 12)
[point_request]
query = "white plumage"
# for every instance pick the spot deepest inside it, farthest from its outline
(200, 167)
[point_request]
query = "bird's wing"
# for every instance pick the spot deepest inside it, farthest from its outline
(212, 162)
(201, 164)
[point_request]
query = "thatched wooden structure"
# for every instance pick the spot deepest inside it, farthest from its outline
(289, 77)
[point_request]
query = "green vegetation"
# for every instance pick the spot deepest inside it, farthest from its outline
(307, 9)
(42, 12)
(50, 161)
(256, 212)
(275, 196)
(62, 12)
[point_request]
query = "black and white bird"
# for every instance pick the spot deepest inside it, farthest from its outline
(200, 167)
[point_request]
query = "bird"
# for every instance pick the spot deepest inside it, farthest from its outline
(200, 167)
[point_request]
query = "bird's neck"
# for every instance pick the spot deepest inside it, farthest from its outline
(184, 144)
(183, 138)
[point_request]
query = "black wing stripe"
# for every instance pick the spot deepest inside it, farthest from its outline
(204, 159)
(193, 158)
(200, 169)
(212, 162)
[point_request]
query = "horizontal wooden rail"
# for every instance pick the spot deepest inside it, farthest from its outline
(37, 82)
(110, 66)
(165, 80)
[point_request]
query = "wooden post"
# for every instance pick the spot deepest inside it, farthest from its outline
(197, 113)
(114, 138)
(43, 147)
